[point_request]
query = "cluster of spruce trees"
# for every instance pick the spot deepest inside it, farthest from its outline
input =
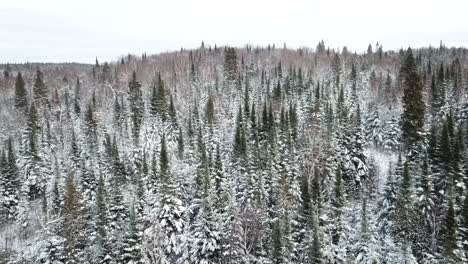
(237, 155)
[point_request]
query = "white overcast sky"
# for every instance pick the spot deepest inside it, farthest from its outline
(66, 30)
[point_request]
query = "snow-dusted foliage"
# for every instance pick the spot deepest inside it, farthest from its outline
(237, 155)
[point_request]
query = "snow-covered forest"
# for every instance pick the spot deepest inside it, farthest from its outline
(237, 155)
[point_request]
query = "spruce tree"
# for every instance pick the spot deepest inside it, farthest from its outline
(230, 64)
(9, 185)
(277, 247)
(172, 111)
(210, 110)
(180, 144)
(103, 254)
(158, 99)
(40, 89)
(450, 232)
(91, 125)
(136, 106)
(132, 241)
(21, 95)
(170, 212)
(73, 223)
(404, 208)
(412, 119)
(77, 98)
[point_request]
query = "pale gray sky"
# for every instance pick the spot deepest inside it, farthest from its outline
(66, 30)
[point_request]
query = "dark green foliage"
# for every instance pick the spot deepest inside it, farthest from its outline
(136, 105)
(210, 110)
(404, 208)
(40, 89)
(240, 144)
(73, 222)
(277, 247)
(158, 99)
(76, 101)
(412, 119)
(180, 144)
(230, 64)
(450, 229)
(172, 110)
(91, 125)
(21, 95)
(132, 241)
(164, 162)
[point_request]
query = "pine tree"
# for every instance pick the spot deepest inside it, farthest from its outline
(103, 254)
(9, 184)
(365, 248)
(450, 233)
(277, 247)
(180, 144)
(172, 110)
(230, 64)
(303, 228)
(336, 69)
(168, 219)
(40, 89)
(210, 110)
(315, 251)
(118, 113)
(391, 135)
(412, 119)
(77, 98)
(73, 222)
(404, 208)
(91, 125)
(206, 247)
(35, 179)
(136, 106)
(158, 99)
(239, 138)
(464, 224)
(117, 215)
(132, 241)
(277, 91)
(374, 129)
(387, 202)
(21, 95)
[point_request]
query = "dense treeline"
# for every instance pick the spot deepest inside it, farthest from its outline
(237, 155)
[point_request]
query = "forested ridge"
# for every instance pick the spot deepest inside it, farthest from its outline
(237, 155)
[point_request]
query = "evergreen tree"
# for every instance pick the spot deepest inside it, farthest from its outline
(277, 247)
(9, 183)
(21, 95)
(136, 105)
(365, 248)
(404, 208)
(230, 64)
(40, 89)
(103, 250)
(336, 69)
(412, 119)
(180, 144)
(450, 233)
(158, 99)
(73, 223)
(77, 100)
(91, 125)
(210, 110)
(132, 241)
(172, 110)
(117, 215)
(167, 224)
